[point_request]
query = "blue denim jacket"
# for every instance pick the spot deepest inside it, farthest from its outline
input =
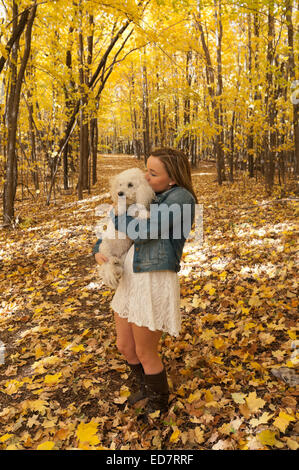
(159, 240)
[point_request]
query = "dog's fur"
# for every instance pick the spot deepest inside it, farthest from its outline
(129, 190)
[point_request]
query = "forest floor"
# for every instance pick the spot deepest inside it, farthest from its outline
(232, 371)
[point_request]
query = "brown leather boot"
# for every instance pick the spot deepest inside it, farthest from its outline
(137, 384)
(157, 392)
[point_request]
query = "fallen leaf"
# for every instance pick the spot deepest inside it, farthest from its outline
(268, 438)
(175, 436)
(282, 421)
(254, 403)
(47, 445)
(86, 433)
(238, 397)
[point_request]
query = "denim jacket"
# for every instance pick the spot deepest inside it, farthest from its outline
(159, 240)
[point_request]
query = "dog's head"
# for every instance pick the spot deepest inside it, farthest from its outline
(131, 187)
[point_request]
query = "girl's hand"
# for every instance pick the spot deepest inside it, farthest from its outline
(100, 259)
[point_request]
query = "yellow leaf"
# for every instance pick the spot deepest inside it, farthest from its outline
(261, 420)
(86, 432)
(229, 325)
(292, 334)
(267, 438)
(5, 437)
(208, 396)
(254, 301)
(125, 392)
(208, 287)
(47, 445)
(282, 421)
(52, 379)
(106, 293)
(155, 414)
(85, 357)
(254, 403)
(38, 352)
(194, 397)
(216, 359)
(218, 342)
(175, 436)
(238, 397)
(78, 348)
(245, 310)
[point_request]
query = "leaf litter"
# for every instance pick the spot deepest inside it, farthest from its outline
(232, 371)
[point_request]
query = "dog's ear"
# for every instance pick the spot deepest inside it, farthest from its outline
(144, 194)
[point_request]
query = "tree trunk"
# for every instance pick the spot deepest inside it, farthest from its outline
(133, 114)
(217, 108)
(270, 102)
(187, 104)
(250, 140)
(68, 106)
(94, 138)
(219, 90)
(291, 66)
(145, 110)
(16, 82)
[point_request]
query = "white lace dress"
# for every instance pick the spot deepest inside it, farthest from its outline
(150, 299)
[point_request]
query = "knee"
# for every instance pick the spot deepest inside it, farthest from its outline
(125, 348)
(143, 354)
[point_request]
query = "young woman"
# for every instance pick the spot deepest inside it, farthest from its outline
(147, 300)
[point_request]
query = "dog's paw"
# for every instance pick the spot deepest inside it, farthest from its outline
(111, 273)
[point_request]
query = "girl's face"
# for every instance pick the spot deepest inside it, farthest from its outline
(157, 176)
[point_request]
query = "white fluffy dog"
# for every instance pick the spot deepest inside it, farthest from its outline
(129, 190)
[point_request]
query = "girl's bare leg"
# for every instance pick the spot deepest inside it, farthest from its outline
(146, 348)
(125, 339)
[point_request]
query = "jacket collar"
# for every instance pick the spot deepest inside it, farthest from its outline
(161, 196)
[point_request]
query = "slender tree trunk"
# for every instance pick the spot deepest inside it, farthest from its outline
(82, 110)
(145, 109)
(250, 140)
(291, 67)
(133, 114)
(34, 170)
(69, 106)
(270, 101)
(93, 120)
(217, 107)
(219, 91)
(94, 138)
(187, 103)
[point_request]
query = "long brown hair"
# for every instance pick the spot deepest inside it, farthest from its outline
(177, 166)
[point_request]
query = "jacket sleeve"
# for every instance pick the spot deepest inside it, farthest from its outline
(165, 218)
(96, 247)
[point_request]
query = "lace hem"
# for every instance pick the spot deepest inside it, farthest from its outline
(150, 299)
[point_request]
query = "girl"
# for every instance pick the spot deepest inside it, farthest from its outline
(147, 300)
